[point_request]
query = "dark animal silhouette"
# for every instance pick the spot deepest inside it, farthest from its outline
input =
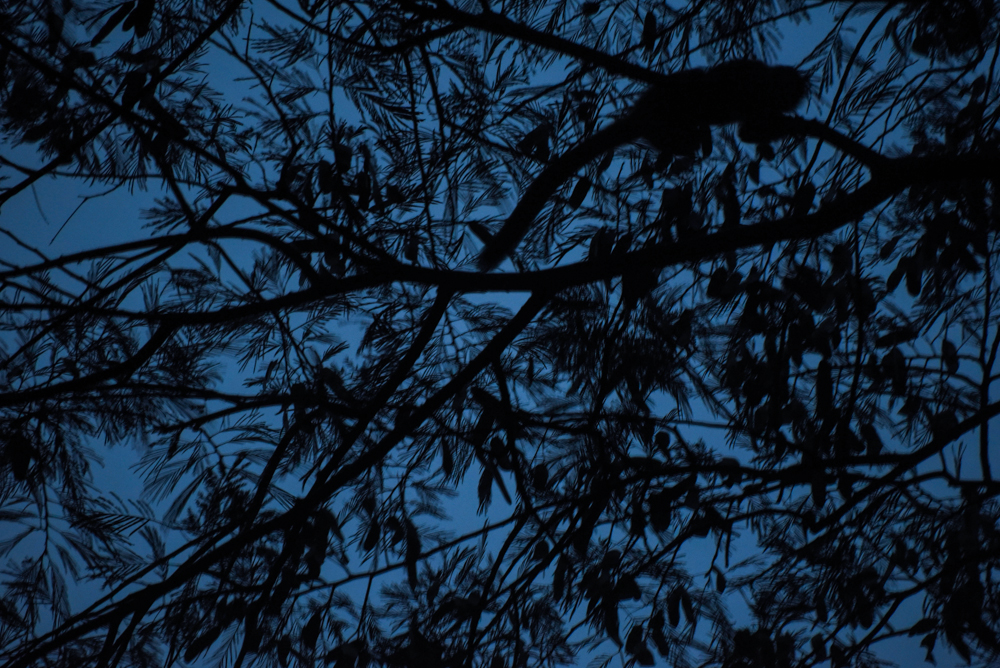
(669, 117)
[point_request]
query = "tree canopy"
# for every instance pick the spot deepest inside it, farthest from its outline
(729, 402)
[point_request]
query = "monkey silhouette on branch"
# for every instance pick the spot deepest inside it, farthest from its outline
(667, 117)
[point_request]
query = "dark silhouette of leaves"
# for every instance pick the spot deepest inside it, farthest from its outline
(239, 238)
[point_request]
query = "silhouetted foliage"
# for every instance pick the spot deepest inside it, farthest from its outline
(729, 403)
